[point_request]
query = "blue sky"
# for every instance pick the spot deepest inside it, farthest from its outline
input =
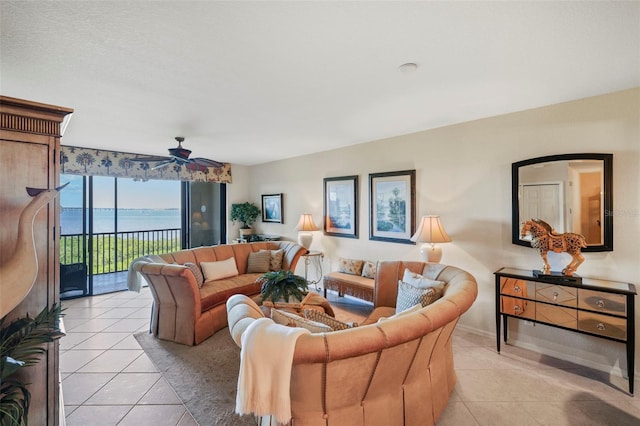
(153, 194)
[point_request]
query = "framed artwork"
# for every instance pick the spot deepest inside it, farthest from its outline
(392, 204)
(341, 206)
(272, 208)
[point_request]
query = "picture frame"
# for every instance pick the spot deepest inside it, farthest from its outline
(340, 210)
(392, 206)
(272, 208)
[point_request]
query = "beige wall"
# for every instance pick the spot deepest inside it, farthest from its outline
(464, 174)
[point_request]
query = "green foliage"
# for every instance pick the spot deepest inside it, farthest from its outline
(280, 285)
(247, 213)
(21, 345)
(111, 253)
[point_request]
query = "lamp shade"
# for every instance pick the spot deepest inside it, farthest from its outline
(306, 223)
(430, 230)
(305, 226)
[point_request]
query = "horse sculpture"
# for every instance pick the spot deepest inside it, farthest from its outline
(545, 238)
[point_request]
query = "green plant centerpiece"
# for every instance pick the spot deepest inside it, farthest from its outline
(279, 286)
(247, 213)
(21, 345)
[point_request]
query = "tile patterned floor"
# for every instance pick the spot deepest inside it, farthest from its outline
(108, 380)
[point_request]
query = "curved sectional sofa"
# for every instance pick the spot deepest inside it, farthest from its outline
(393, 372)
(185, 313)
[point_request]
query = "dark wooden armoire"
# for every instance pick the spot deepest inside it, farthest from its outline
(30, 135)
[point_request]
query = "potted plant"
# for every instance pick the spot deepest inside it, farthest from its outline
(247, 213)
(278, 286)
(21, 345)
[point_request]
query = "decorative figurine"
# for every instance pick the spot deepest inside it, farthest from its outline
(545, 238)
(19, 273)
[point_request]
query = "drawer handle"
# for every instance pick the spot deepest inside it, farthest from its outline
(600, 303)
(516, 308)
(555, 296)
(600, 326)
(516, 288)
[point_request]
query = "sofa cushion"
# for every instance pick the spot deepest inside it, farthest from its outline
(214, 293)
(197, 272)
(350, 266)
(293, 320)
(219, 270)
(410, 295)
(259, 261)
(276, 259)
(318, 316)
(414, 308)
(369, 269)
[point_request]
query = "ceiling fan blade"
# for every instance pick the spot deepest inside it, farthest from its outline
(150, 158)
(206, 162)
(161, 165)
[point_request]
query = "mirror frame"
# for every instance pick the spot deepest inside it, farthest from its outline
(607, 220)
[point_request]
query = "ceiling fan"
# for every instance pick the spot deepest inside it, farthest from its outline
(179, 156)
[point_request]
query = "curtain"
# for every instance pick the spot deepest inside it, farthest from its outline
(98, 162)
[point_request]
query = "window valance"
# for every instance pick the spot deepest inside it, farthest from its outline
(99, 162)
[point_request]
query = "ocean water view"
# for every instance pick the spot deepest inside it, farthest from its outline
(128, 220)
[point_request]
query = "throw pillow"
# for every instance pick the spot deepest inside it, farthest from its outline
(318, 316)
(259, 261)
(419, 281)
(276, 259)
(197, 272)
(350, 266)
(410, 295)
(219, 270)
(414, 308)
(293, 320)
(369, 269)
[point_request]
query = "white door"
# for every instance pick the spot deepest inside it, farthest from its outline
(542, 201)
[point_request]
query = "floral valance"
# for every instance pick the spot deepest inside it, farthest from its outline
(99, 162)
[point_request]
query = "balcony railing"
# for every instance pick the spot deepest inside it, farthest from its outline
(114, 251)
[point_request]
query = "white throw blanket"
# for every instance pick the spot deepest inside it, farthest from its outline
(265, 369)
(134, 278)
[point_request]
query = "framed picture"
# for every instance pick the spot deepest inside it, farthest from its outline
(272, 208)
(341, 206)
(392, 203)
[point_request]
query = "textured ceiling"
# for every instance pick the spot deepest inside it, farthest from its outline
(252, 82)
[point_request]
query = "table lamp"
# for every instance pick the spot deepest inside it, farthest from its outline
(305, 226)
(430, 231)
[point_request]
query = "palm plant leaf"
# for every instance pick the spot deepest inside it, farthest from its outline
(282, 285)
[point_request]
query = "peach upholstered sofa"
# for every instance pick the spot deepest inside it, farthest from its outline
(393, 372)
(187, 313)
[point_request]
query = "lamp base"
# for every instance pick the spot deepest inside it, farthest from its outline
(305, 239)
(430, 253)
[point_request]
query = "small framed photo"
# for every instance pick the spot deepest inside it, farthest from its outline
(341, 206)
(272, 208)
(392, 206)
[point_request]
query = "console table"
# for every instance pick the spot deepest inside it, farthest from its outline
(600, 308)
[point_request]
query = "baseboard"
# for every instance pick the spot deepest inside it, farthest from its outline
(609, 369)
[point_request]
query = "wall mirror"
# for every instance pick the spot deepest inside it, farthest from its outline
(571, 192)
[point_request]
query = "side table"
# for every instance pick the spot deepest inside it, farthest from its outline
(314, 259)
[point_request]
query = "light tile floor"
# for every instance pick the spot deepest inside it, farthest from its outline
(108, 380)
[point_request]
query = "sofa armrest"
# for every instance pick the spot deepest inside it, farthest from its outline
(176, 295)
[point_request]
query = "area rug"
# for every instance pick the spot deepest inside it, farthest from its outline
(204, 377)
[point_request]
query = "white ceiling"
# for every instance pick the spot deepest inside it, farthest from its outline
(253, 82)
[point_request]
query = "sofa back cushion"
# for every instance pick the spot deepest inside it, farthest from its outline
(220, 269)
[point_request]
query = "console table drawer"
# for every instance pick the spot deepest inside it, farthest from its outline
(603, 325)
(615, 304)
(516, 287)
(518, 307)
(557, 294)
(558, 315)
